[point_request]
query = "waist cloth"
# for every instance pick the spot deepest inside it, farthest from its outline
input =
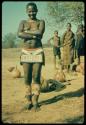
(35, 55)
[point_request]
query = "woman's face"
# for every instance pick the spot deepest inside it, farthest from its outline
(68, 27)
(56, 33)
(31, 11)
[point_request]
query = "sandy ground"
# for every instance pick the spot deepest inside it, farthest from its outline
(66, 106)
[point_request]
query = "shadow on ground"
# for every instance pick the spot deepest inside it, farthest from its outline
(79, 119)
(77, 93)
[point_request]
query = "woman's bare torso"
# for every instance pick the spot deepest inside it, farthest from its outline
(32, 26)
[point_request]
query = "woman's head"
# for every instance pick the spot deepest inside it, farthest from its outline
(68, 26)
(31, 10)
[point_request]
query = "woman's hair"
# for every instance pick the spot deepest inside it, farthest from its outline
(56, 31)
(69, 24)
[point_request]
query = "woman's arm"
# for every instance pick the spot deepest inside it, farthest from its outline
(39, 32)
(21, 32)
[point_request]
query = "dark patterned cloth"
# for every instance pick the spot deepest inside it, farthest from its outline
(68, 49)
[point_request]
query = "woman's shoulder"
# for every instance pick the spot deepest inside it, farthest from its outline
(23, 21)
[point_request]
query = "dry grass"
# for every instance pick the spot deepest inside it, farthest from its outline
(66, 106)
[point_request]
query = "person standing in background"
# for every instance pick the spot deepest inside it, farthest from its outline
(68, 42)
(56, 47)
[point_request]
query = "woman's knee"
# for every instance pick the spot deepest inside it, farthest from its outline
(36, 78)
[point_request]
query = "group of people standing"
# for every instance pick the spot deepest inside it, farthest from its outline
(72, 44)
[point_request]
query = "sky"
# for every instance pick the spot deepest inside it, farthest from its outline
(13, 12)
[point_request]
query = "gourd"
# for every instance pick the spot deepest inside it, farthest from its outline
(78, 68)
(60, 76)
(10, 69)
(16, 73)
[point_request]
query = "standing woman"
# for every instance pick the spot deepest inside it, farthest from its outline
(68, 47)
(31, 31)
(80, 42)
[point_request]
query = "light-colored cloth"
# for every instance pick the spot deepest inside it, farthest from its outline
(32, 55)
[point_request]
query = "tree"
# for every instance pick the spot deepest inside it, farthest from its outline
(8, 40)
(66, 11)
